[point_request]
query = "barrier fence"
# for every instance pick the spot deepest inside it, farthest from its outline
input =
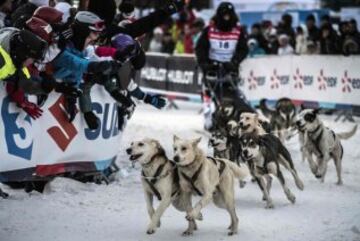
(32, 149)
(320, 81)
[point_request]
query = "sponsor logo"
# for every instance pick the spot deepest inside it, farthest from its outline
(277, 80)
(65, 132)
(181, 77)
(349, 83)
(153, 74)
(255, 81)
(301, 80)
(19, 142)
(326, 81)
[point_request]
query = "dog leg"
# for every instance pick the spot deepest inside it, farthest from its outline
(227, 191)
(187, 204)
(155, 220)
(268, 183)
(273, 169)
(321, 171)
(262, 184)
(257, 179)
(149, 203)
(337, 161)
(205, 200)
(313, 165)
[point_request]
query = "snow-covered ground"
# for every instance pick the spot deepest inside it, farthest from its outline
(74, 211)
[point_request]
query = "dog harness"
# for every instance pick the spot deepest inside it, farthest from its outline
(193, 179)
(316, 141)
(151, 181)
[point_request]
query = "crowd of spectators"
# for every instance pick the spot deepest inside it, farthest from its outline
(179, 36)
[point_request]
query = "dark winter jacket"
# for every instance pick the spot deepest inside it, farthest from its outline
(203, 47)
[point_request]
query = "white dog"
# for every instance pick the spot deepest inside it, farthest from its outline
(159, 179)
(210, 178)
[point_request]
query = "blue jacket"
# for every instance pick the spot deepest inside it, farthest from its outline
(70, 66)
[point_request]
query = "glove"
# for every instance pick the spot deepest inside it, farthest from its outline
(67, 89)
(155, 100)
(91, 120)
(31, 109)
(105, 67)
(125, 101)
(174, 6)
(231, 67)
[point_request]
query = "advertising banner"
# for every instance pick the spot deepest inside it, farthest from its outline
(51, 144)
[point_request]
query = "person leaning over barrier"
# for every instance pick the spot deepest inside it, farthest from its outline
(19, 49)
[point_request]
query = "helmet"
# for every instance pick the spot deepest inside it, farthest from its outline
(49, 15)
(225, 8)
(40, 28)
(225, 24)
(24, 44)
(91, 20)
(125, 44)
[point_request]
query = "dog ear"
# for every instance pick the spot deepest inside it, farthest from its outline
(176, 138)
(196, 141)
(316, 111)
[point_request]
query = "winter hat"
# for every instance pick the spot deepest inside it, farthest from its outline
(40, 2)
(64, 7)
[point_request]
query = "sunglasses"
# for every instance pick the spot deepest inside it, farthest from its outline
(98, 26)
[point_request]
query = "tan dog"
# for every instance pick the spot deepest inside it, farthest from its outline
(159, 179)
(252, 123)
(210, 178)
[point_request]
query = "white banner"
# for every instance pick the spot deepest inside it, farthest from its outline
(52, 142)
(327, 80)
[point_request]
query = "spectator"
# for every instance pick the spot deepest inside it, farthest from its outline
(313, 32)
(24, 12)
(354, 35)
(273, 43)
(5, 9)
(168, 43)
(254, 49)
(179, 46)
(188, 43)
(329, 41)
(156, 42)
(257, 34)
(65, 8)
(284, 45)
(105, 9)
(311, 47)
(196, 29)
(285, 27)
(301, 46)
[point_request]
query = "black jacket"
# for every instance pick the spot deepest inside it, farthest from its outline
(140, 26)
(203, 46)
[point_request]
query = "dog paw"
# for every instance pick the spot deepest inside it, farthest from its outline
(231, 233)
(199, 217)
(187, 233)
(269, 206)
(158, 224)
(242, 184)
(150, 231)
(292, 199)
(318, 176)
(4, 195)
(340, 183)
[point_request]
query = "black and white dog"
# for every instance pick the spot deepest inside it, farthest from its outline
(264, 154)
(282, 118)
(321, 142)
